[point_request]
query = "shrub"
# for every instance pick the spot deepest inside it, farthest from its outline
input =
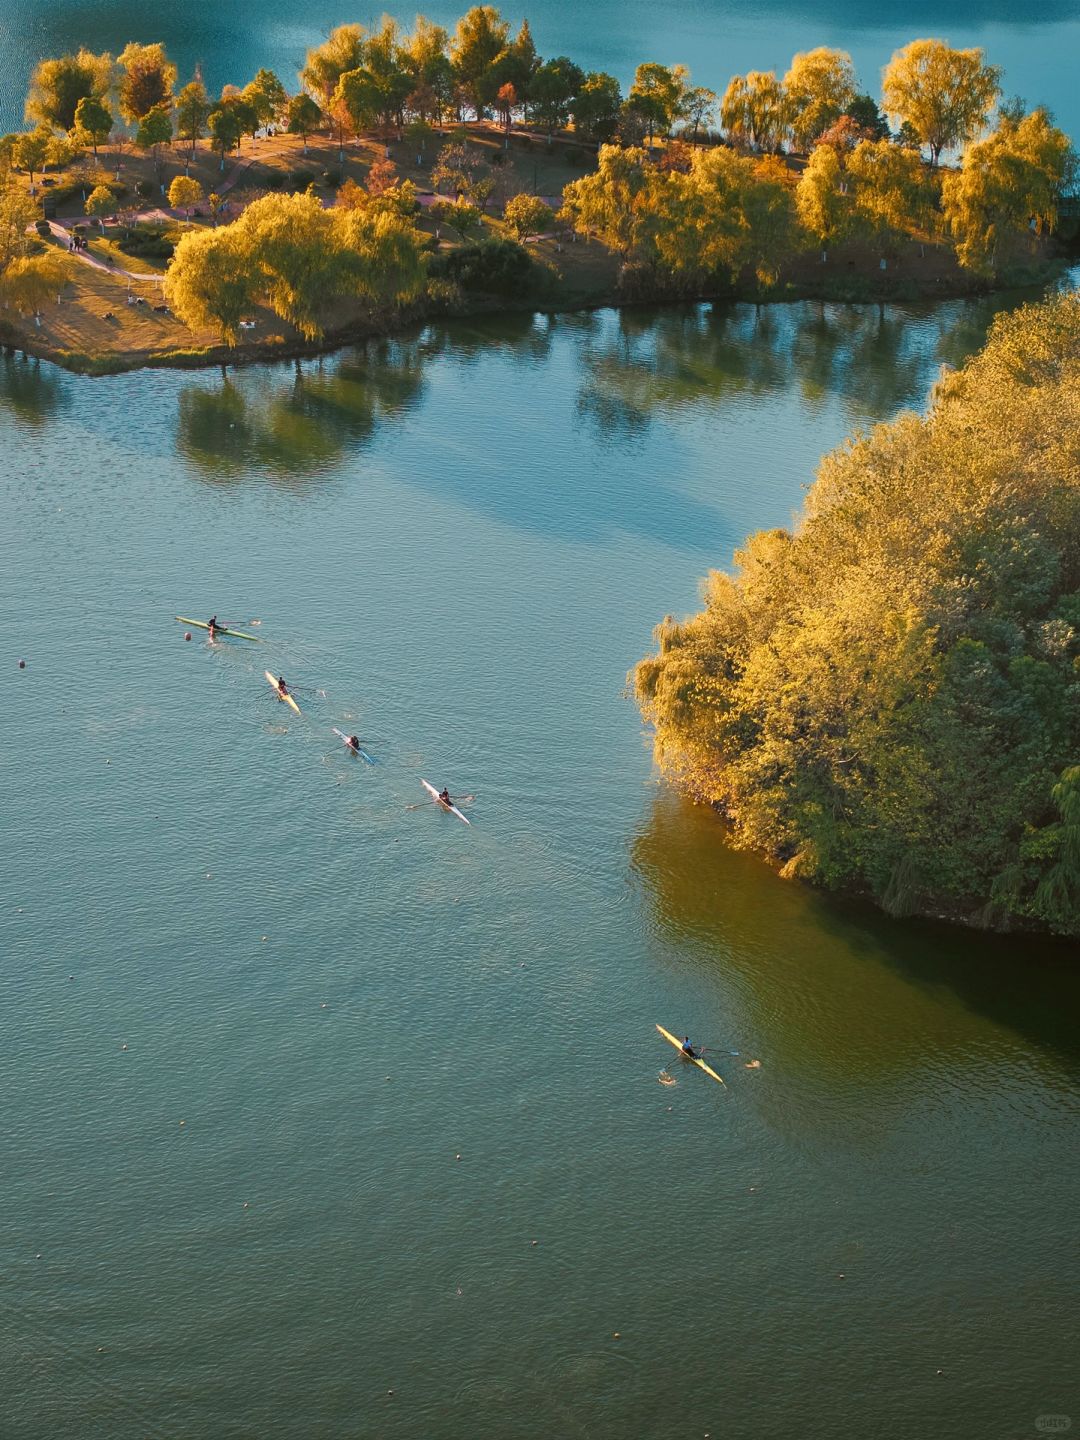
(333, 178)
(491, 267)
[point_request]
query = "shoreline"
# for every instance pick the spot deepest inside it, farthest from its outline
(195, 356)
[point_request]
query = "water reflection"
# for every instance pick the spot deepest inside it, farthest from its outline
(873, 360)
(834, 987)
(300, 422)
(30, 391)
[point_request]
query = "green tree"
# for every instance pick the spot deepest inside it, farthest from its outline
(356, 103)
(656, 92)
(192, 112)
(616, 201)
(146, 82)
(479, 39)
(820, 86)
(528, 215)
(267, 98)
(554, 87)
(100, 203)
(516, 66)
(596, 107)
(424, 56)
(57, 86)
(754, 110)
(823, 205)
(210, 282)
(1008, 182)
(155, 129)
(185, 193)
(341, 52)
(882, 699)
(388, 67)
(302, 116)
(93, 122)
(226, 124)
(458, 214)
(697, 107)
(863, 109)
(945, 95)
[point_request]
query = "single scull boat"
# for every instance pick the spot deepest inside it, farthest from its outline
(692, 1058)
(287, 698)
(220, 630)
(354, 749)
(440, 801)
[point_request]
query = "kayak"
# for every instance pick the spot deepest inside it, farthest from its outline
(440, 801)
(692, 1058)
(353, 748)
(287, 698)
(220, 630)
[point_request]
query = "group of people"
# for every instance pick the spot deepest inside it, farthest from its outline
(352, 741)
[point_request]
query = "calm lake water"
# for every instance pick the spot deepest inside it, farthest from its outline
(1037, 43)
(328, 1116)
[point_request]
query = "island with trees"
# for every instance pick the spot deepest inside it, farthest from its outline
(886, 700)
(425, 173)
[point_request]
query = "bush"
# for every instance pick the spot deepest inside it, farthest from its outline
(491, 267)
(275, 180)
(151, 242)
(300, 179)
(333, 178)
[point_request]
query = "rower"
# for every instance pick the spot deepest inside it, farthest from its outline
(282, 688)
(212, 625)
(687, 1049)
(444, 796)
(353, 742)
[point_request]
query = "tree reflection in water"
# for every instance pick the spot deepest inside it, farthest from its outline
(32, 393)
(296, 423)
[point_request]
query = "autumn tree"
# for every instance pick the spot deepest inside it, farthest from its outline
(527, 215)
(1008, 182)
(819, 88)
(31, 150)
(882, 699)
(945, 95)
(823, 205)
(227, 124)
(754, 110)
(100, 203)
(146, 82)
(30, 282)
(697, 107)
(185, 193)
(894, 193)
(57, 86)
(342, 51)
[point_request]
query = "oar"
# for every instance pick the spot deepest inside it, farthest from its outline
(305, 690)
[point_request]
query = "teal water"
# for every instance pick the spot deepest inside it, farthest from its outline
(312, 1093)
(1037, 44)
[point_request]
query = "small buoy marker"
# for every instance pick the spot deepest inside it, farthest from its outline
(22, 664)
(187, 634)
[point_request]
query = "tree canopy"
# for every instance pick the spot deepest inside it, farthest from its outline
(945, 95)
(301, 260)
(885, 700)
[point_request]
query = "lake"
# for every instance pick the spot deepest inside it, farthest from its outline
(327, 1115)
(1037, 44)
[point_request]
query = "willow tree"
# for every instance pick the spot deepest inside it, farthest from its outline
(945, 95)
(822, 199)
(1007, 182)
(342, 51)
(754, 110)
(302, 261)
(883, 700)
(819, 88)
